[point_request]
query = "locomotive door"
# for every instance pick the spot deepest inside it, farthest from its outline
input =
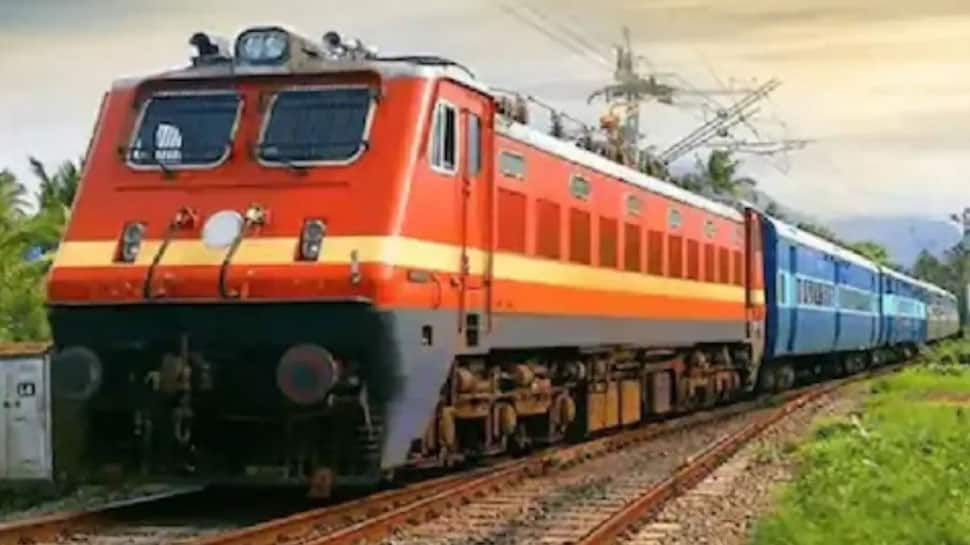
(476, 201)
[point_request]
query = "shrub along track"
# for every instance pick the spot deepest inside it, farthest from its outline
(588, 493)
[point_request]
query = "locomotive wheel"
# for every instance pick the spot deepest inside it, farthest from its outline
(767, 379)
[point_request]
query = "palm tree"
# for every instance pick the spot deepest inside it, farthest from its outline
(21, 290)
(22, 314)
(59, 189)
(13, 199)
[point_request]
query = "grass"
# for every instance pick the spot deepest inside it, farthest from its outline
(897, 474)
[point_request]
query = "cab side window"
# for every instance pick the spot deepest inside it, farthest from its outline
(444, 139)
(474, 145)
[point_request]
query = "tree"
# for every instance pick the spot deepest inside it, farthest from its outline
(873, 251)
(13, 199)
(22, 313)
(720, 173)
(57, 190)
(717, 177)
(820, 231)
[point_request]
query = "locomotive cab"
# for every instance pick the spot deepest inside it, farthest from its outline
(235, 295)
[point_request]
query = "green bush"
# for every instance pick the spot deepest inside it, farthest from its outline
(899, 474)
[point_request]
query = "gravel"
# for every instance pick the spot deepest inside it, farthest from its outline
(723, 508)
(21, 503)
(562, 506)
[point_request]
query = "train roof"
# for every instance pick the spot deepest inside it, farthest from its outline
(430, 67)
(933, 288)
(402, 67)
(569, 151)
(812, 241)
(904, 277)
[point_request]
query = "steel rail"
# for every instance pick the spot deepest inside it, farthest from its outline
(695, 470)
(51, 527)
(377, 524)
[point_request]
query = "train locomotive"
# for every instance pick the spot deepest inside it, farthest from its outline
(299, 262)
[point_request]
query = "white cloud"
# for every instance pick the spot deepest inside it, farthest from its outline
(883, 87)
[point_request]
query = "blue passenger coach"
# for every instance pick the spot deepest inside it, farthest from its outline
(903, 310)
(820, 298)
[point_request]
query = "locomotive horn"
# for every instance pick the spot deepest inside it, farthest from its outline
(202, 42)
(332, 39)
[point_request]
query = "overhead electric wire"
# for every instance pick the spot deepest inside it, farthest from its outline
(581, 51)
(576, 37)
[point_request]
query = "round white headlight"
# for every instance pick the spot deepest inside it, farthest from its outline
(221, 229)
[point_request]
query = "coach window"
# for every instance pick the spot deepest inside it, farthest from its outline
(444, 144)
(474, 145)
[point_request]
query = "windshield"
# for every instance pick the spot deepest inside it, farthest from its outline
(185, 129)
(316, 125)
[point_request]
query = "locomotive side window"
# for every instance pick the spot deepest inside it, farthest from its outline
(512, 164)
(444, 143)
(316, 126)
(474, 145)
(185, 130)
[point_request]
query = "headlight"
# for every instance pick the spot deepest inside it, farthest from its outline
(131, 238)
(311, 240)
(221, 229)
(263, 46)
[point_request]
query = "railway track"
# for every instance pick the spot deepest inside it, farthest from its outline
(173, 517)
(587, 493)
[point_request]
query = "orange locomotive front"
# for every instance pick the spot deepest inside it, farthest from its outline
(302, 261)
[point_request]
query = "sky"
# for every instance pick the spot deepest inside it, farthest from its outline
(880, 87)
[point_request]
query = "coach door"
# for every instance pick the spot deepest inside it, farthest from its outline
(477, 224)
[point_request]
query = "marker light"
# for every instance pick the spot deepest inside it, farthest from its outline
(131, 237)
(263, 46)
(312, 239)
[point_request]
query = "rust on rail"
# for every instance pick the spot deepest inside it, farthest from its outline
(692, 472)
